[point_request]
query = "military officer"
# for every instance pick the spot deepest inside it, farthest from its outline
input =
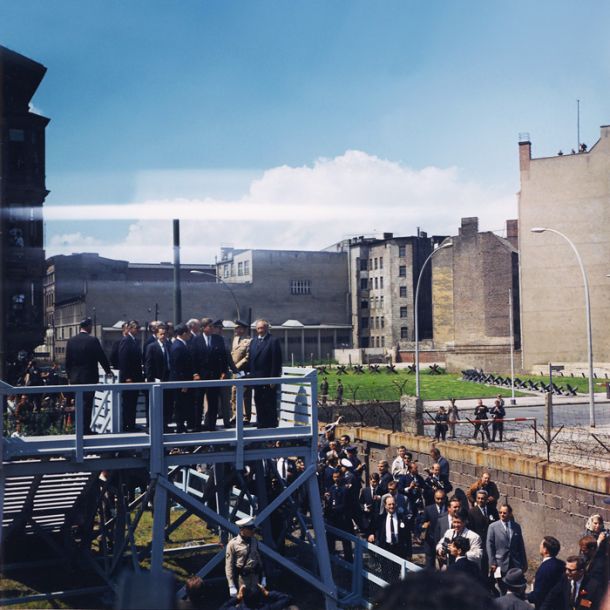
(243, 564)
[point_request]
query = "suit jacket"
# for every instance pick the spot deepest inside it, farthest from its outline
(83, 353)
(511, 602)
(476, 546)
(465, 566)
(403, 533)
(156, 363)
(504, 552)
(548, 575)
(588, 598)
(366, 500)
(130, 360)
(265, 357)
(432, 515)
(182, 367)
(240, 352)
(214, 360)
(479, 523)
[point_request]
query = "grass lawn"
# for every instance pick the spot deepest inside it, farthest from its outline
(390, 386)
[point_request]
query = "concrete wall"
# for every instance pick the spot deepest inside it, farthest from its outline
(570, 193)
(547, 498)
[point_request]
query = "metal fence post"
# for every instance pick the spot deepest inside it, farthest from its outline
(78, 426)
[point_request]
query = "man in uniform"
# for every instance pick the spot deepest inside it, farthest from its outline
(240, 354)
(243, 564)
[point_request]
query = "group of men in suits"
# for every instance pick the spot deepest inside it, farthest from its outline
(195, 351)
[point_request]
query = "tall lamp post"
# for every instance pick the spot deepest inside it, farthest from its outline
(218, 279)
(447, 244)
(588, 315)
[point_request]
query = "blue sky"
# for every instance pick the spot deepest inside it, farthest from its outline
(233, 109)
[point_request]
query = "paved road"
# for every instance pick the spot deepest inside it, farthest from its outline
(568, 411)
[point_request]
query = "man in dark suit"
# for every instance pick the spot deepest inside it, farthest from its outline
(480, 516)
(213, 364)
(432, 513)
(157, 367)
(83, 354)
(392, 532)
(182, 368)
(370, 501)
(575, 590)
(265, 361)
(336, 510)
(458, 548)
(130, 371)
(505, 545)
(550, 572)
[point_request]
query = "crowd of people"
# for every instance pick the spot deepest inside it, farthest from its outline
(471, 532)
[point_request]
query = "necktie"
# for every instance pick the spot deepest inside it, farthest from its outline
(392, 530)
(573, 593)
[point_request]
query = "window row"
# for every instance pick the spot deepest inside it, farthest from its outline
(300, 287)
(370, 264)
(375, 322)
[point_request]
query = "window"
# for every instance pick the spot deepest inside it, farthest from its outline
(240, 268)
(364, 304)
(381, 262)
(404, 332)
(246, 267)
(403, 312)
(376, 283)
(364, 265)
(381, 301)
(383, 341)
(300, 287)
(377, 323)
(376, 260)
(402, 271)
(402, 250)
(226, 271)
(377, 341)
(381, 282)
(364, 322)
(364, 284)
(382, 322)
(403, 291)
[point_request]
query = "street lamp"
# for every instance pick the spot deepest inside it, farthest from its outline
(218, 279)
(447, 244)
(588, 315)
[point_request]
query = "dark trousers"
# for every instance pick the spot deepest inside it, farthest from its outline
(342, 523)
(497, 428)
(266, 407)
(211, 414)
(88, 398)
(184, 410)
(130, 402)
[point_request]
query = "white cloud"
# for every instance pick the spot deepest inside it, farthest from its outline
(306, 207)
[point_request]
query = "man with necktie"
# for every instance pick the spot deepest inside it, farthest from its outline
(130, 371)
(392, 532)
(265, 361)
(505, 546)
(157, 368)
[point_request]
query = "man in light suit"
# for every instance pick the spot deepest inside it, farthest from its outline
(83, 354)
(458, 528)
(549, 573)
(265, 361)
(240, 354)
(505, 546)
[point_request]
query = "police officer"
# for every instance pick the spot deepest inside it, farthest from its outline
(243, 565)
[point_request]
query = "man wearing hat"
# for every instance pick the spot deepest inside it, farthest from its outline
(514, 599)
(83, 354)
(240, 354)
(243, 565)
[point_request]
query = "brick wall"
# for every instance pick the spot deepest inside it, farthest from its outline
(547, 498)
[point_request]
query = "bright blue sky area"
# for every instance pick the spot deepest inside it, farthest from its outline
(141, 86)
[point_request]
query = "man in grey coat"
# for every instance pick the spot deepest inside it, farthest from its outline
(505, 546)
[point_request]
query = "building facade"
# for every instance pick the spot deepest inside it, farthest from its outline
(571, 194)
(475, 283)
(22, 194)
(383, 274)
(314, 320)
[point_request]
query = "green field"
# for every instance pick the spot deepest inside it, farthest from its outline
(390, 386)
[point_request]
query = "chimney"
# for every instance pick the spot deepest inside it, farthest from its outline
(525, 151)
(512, 232)
(470, 226)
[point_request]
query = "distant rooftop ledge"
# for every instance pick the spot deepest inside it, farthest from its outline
(293, 323)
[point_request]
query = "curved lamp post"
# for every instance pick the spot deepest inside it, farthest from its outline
(588, 315)
(218, 279)
(447, 244)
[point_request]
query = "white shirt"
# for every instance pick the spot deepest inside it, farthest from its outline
(388, 529)
(476, 550)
